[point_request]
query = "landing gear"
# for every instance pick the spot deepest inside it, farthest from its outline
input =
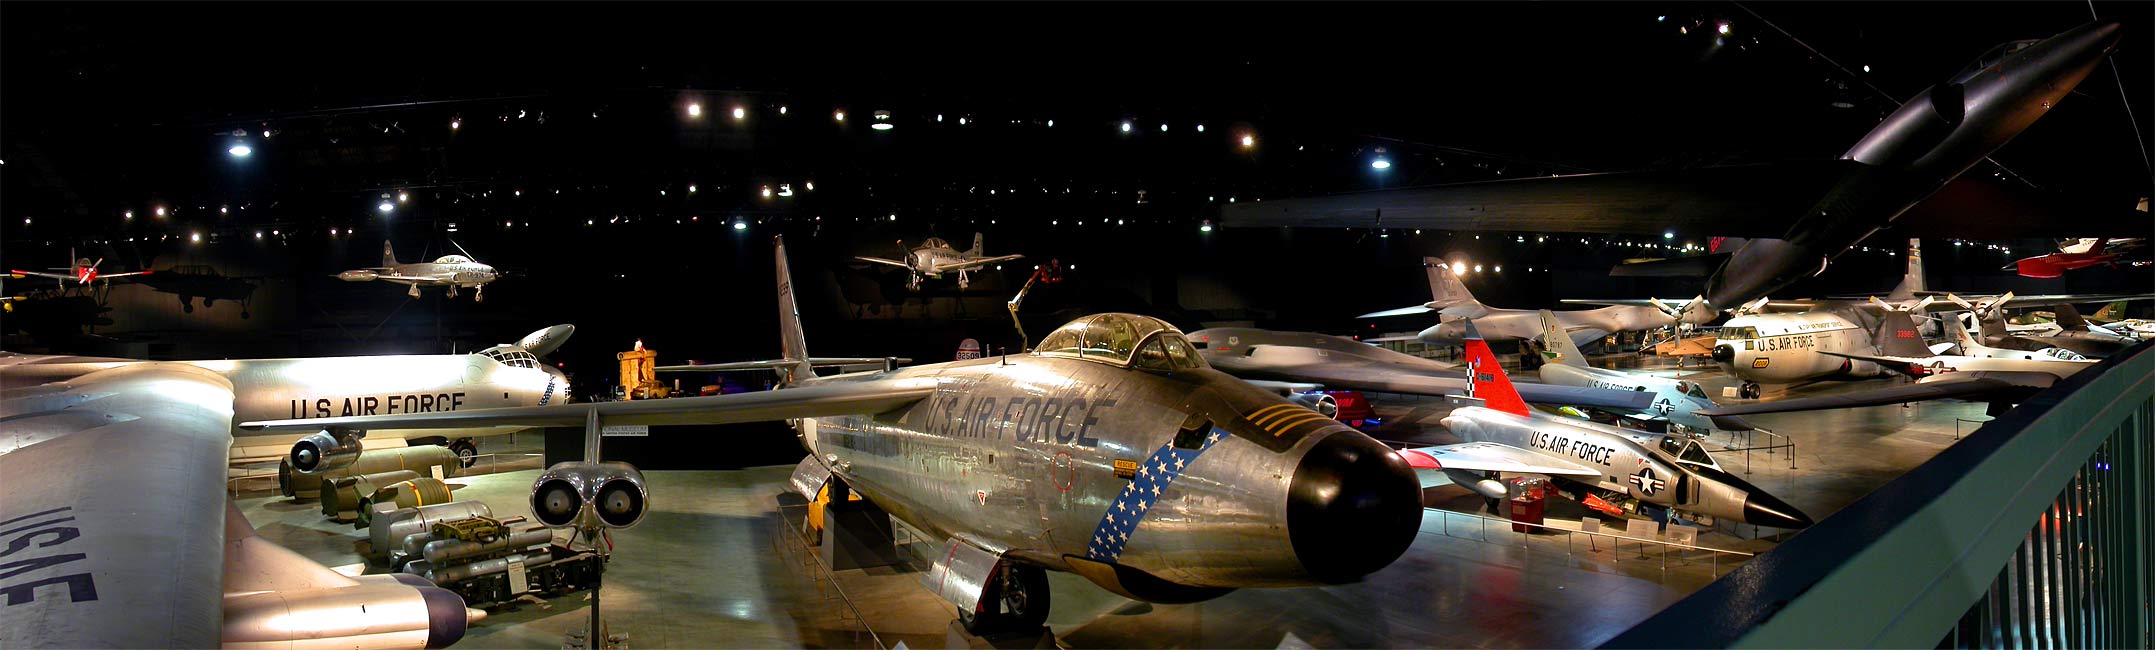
(962, 281)
(467, 452)
(452, 290)
(1016, 600)
(1750, 390)
(414, 292)
(478, 294)
(913, 283)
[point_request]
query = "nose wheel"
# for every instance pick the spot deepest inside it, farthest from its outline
(1750, 390)
(452, 290)
(1016, 600)
(414, 292)
(479, 294)
(467, 452)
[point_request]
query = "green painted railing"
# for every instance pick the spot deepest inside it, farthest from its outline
(2031, 532)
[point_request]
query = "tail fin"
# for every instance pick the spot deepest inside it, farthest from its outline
(389, 254)
(1959, 333)
(1911, 281)
(1897, 336)
(1444, 285)
(2111, 312)
(1556, 343)
(792, 344)
(980, 246)
(1485, 376)
(2069, 318)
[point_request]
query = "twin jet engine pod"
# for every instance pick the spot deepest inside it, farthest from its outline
(324, 451)
(588, 495)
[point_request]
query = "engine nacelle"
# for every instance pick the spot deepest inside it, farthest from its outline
(589, 495)
(326, 450)
(357, 275)
(1858, 368)
(1321, 403)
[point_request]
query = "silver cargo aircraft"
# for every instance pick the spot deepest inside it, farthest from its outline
(2000, 377)
(935, 257)
(450, 271)
(1112, 451)
(1599, 465)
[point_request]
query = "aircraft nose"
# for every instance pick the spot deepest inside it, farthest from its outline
(1762, 509)
(2092, 40)
(1724, 353)
(1353, 506)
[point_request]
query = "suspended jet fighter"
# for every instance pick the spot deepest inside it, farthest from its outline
(451, 271)
(1786, 222)
(1299, 362)
(1978, 374)
(935, 257)
(1112, 451)
(83, 273)
(1450, 297)
(2078, 254)
(1599, 465)
(1674, 399)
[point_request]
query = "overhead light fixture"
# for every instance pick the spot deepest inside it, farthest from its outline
(695, 110)
(1723, 29)
(1380, 163)
(740, 225)
(1125, 126)
(1200, 128)
(258, 234)
(1668, 234)
(1163, 127)
(160, 210)
(386, 207)
(240, 151)
(740, 113)
(195, 237)
(130, 214)
(882, 121)
(455, 123)
(1866, 68)
(893, 217)
(1459, 268)
(1205, 227)
(785, 189)
(811, 185)
(838, 115)
(766, 191)
(1051, 124)
(403, 197)
(1249, 141)
(692, 188)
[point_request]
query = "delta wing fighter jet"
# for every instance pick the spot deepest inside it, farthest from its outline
(1674, 399)
(1112, 452)
(1599, 465)
(935, 257)
(451, 271)
(1784, 222)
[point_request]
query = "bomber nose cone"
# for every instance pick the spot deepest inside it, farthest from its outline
(1724, 353)
(1761, 509)
(1353, 506)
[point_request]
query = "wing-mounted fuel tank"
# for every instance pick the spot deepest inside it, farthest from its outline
(587, 495)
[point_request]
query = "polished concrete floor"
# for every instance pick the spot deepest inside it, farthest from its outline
(716, 564)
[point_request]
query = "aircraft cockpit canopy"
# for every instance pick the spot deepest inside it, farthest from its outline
(1122, 340)
(1692, 389)
(1990, 59)
(2063, 354)
(510, 356)
(1687, 451)
(935, 242)
(452, 259)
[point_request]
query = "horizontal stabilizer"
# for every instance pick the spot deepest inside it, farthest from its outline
(1694, 266)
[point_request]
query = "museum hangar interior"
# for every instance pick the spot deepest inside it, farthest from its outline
(1523, 325)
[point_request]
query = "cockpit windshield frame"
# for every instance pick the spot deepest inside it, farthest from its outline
(1686, 450)
(511, 357)
(1122, 340)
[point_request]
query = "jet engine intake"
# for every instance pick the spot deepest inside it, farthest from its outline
(1323, 404)
(326, 450)
(589, 495)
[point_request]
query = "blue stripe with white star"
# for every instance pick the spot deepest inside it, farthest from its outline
(1128, 510)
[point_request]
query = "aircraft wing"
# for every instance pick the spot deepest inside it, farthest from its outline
(1956, 385)
(819, 399)
(1492, 457)
(878, 260)
(108, 276)
(42, 274)
(1350, 373)
(971, 264)
(775, 364)
(1973, 207)
(1403, 311)
(1732, 201)
(117, 508)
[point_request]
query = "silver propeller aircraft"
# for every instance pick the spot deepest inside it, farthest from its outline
(1674, 399)
(1112, 451)
(935, 257)
(1599, 465)
(2002, 378)
(451, 271)
(83, 273)
(1450, 297)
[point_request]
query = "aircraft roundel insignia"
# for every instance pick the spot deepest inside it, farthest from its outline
(1647, 482)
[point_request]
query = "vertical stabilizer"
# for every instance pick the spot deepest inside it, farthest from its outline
(2069, 319)
(1969, 347)
(389, 254)
(792, 344)
(1897, 336)
(1556, 344)
(1911, 280)
(1485, 376)
(1445, 289)
(980, 246)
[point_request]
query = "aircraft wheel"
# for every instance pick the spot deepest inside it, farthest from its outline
(467, 452)
(1750, 390)
(187, 308)
(414, 292)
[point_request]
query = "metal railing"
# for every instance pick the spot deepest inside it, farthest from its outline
(1774, 443)
(1480, 526)
(2030, 532)
(796, 547)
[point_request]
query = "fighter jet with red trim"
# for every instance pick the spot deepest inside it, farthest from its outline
(2079, 254)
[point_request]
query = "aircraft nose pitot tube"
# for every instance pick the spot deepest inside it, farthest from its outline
(589, 495)
(1353, 506)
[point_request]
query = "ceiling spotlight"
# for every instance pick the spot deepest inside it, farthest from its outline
(894, 217)
(740, 113)
(160, 210)
(403, 197)
(1125, 126)
(1723, 29)
(1459, 268)
(811, 185)
(1499, 268)
(740, 225)
(1668, 234)
(766, 191)
(1866, 68)
(386, 207)
(240, 151)
(839, 116)
(695, 110)
(1051, 124)
(882, 121)
(1249, 141)
(130, 214)
(195, 237)
(1163, 127)
(224, 210)
(455, 124)
(1205, 227)
(961, 120)
(1380, 163)
(781, 110)
(692, 188)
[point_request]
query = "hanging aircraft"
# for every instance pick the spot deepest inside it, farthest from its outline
(84, 272)
(2079, 254)
(451, 271)
(1450, 297)
(1111, 451)
(935, 257)
(262, 389)
(1785, 222)
(119, 534)
(1301, 362)
(2002, 380)
(1674, 399)
(1599, 465)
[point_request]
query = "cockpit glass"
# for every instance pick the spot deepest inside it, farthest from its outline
(1693, 389)
(1739, 332)
(1114, 339)
(1153, 356)
(512, 357)
(1989, 59)
(1181, 353)
(1687, 451)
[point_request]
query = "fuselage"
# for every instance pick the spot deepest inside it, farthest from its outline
(1035, 456)
(1674, 399)
(1784, 348)
(1582, 326)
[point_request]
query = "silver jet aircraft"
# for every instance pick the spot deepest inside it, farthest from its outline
(1674, 399)
(1308, 361)
(451, 271)
(1599, 465)
(265, 389)
(935, 257)
(117, 532)
(1112, 451)
(1449, 297)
